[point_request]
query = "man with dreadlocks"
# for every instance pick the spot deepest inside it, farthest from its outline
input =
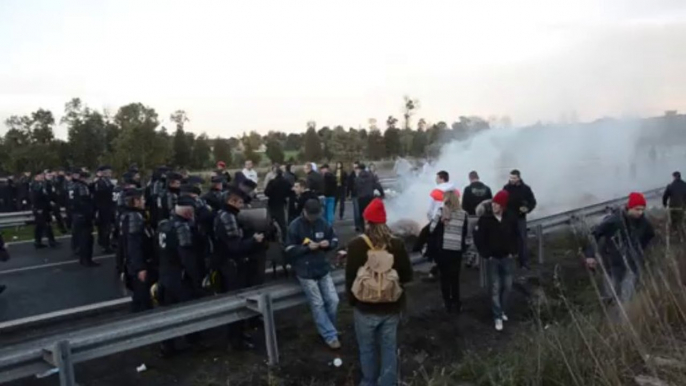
(619, 244)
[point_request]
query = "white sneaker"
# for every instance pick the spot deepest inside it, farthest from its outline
(504, 318)
(498, 324)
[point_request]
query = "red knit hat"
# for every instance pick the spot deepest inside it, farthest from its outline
(636, 199)
(501, 198)
(221, 164)
(375, 212)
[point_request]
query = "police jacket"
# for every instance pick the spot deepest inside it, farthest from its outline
(40, 197)
(60, 185)
(136, 241)
(520, 195)
(213, 198)
(103, 195)
(306, 263)
(178, 256)
(231, 241)
(675, 194)
(81, 200)
(621, 240)
(166, 203)
(475, 194)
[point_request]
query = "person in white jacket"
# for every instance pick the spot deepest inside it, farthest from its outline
(437, 194)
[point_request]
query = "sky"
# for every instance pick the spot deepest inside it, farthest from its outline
(236, 66)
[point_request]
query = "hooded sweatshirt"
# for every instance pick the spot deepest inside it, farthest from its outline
(436, 198)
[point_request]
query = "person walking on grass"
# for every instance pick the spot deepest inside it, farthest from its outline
(309, 238)
(378, 267)
(674, 198)
(521, 202)
(496, 239)
(474, 194)
(447, 242)
(623, 235)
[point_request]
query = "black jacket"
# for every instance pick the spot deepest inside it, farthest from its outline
(40, 196)
(342, 185)
(330, 185)
(475, 194)
(178, 255)
(366, 183)
(102, 195)
(230, 239)
(81, 202)
(213, 198)
(302, 199)
(136, 244)
(496, 238)
(618, 237)
(675, 194)
(277, 191)
(315, 182)
(520, 195)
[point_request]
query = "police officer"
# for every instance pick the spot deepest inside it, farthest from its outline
(71, 184)
(60, 183)
(51, 188)
(105, 206)
(41, 206)
(204, 220)
(153, 193)
(136, 248)
(83, 213)
(167, 200)
(214, 196)
(180, 274)
(4, 256)
(232, 250)
(119, 199)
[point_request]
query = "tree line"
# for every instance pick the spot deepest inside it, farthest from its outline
(134, 135)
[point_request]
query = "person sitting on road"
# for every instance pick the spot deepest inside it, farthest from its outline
(624, 236)
(309, 238)
(377, 317)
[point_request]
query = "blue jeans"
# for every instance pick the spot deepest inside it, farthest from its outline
(329, 209)
(523, 236)
(323, 299)
(357, 215)
(500, 275)
(377, 333)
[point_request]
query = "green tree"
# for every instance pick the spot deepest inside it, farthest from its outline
(376, 148)
(419, 143)
(42, 122)
(346, 146)
(294, 142)
(138, 140)
(200, 157)
(313, 146)
(392, 138)
(410, 106)
(275, 150)
(249, 151)
(181, 149)
(222, 151)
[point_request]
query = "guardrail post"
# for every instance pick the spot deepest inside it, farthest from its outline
(62, 358)
(264, 303)
(539, 236)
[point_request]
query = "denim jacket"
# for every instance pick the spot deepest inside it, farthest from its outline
(309, 264)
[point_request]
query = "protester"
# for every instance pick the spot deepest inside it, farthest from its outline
(290, 177)
(378, 303)
(341, 187)
(315, 181)
(447, 243)
(302, 195)
(474, 194)
(247, 173)
(352, 193)
(277, 191)
(496, 239)
(366, 187)
(309, 238)
(330, 191)
(270, 175)
(619, 243)
(521, 202)
(221, 169)
(436, 196)
(675, 198)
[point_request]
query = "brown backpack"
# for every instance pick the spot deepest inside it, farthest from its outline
(377, 281)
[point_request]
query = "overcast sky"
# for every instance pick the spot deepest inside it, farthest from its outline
(236, 66)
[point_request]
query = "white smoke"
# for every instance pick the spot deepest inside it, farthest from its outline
(567, 166)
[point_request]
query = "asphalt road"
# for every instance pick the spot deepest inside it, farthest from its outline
(47, 280)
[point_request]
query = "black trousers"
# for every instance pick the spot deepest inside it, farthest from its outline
(363, 202)
(43, 226)
(278, 213)
(340, 201)
(82, 238)
(677, 219)
(140, 298)
(449, 267)
(105, 222)
(57, 212)
(174, 290)
(234, 276)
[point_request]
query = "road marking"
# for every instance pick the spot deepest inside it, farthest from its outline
(49, 265)
(32, 241)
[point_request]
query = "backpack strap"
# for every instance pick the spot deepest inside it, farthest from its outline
(369, 242)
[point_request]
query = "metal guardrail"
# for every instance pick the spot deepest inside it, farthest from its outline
(59, 352)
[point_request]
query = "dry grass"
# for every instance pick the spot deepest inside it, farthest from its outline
(592, 343)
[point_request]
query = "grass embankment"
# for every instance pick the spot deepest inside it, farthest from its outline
(576, 339)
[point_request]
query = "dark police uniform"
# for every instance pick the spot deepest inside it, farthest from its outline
(180, 274)
(105, 205)
(166, 201)
(232, 250)
(4, 256)
(40, 200)
(56, 192)
(83, 212)
(136, 252)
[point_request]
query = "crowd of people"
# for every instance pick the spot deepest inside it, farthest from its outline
(175, 243)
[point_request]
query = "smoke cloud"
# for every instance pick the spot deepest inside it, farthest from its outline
(567, 166)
